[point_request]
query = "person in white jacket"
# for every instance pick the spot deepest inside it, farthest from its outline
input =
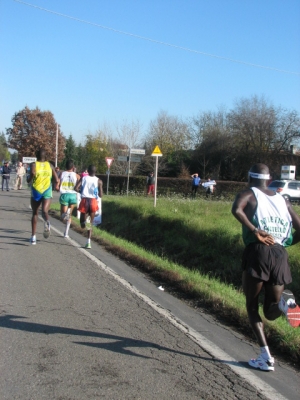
(20, 174)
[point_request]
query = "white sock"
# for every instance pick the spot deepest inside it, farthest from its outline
(33, 237)
(265, 352)
(89, 241)
(67, 227)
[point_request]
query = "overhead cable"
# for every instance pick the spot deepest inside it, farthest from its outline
(157, 41)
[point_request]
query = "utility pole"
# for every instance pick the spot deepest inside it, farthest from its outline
(56, 146)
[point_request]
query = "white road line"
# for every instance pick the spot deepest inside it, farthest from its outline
(202, 341)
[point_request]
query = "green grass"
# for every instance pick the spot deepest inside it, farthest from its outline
(195, 247)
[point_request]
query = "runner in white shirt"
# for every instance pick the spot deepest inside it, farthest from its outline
(68, 197)
(90, 189)
(267, 221)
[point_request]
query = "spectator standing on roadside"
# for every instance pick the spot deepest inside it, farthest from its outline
(195, 184)
(5, 175)
(150, 184)
(42, 173)
(20, 174)
(91, 187)
(68, 196)
(209, 187)
(267, 220)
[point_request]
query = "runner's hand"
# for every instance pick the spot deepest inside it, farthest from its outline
(265, 237)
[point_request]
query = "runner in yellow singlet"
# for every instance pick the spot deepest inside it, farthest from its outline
(40, 177)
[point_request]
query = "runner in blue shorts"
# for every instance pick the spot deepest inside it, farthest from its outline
(41, 175)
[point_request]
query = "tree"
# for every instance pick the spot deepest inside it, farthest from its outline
(4, 153)
(33, 129)
(70, 151)
(96, 149)
(173, 137)
(211, 136)
(128, 136)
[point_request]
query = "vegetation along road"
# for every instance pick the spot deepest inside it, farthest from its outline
(78, 324)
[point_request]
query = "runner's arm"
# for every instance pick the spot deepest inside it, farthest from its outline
(78, 184)
(243, 201)
(31, 173)
(296, 222)
(56, 178)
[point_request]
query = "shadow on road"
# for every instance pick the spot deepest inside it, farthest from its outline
(117, 344)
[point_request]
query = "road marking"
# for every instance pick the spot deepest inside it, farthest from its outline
(202, 341)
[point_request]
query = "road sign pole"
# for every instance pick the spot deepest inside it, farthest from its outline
(128, 171)
(107, 181)
(156, 153)
(155, 185)
(109, 161)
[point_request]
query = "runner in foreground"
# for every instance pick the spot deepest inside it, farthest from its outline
(68, 197)
(90, 189)
(41, 175)
(267, 220)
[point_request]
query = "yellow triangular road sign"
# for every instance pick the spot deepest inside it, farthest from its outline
(156, 152)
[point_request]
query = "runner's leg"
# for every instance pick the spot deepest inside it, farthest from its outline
(45, 209)
(272, 298)
(35, 209)
(252, 288)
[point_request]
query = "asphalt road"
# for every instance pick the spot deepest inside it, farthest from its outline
(78, 324)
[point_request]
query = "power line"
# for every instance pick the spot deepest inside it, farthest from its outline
(157, 41)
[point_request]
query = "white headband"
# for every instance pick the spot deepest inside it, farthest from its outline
(259, 176)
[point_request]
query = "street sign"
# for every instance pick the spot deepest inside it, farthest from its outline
(135, 159)
(28, 160)
(122, 158)
(109, 161)
(137, 151)
(156, 152)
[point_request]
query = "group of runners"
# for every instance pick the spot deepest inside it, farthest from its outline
(269, 225)
(42, 177)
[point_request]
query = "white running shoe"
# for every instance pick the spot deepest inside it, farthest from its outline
(32, 240)
(289, 308)
(261, 363)
(47, 229)
(66, 236)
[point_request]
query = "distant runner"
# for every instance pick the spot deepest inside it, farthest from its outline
(41, 175)
(68, 197)
(267, 220)
(90, 189)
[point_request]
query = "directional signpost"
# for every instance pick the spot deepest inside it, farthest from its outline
(109, 161)
(133, 159)
(156, 153)
(28, 160)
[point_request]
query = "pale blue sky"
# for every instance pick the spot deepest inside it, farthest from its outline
(87, 75)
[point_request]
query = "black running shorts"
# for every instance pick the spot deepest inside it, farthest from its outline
(267, 263)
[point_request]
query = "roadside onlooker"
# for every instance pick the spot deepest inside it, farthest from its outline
(20, 174)
(195, 184)
(209, 187)
(5, 175)
(150, 184)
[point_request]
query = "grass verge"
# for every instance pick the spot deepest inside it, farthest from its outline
(149, 245)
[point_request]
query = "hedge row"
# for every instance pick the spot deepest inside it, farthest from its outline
(166, 186)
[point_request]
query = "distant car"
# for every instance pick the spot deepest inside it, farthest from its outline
(289, 189)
